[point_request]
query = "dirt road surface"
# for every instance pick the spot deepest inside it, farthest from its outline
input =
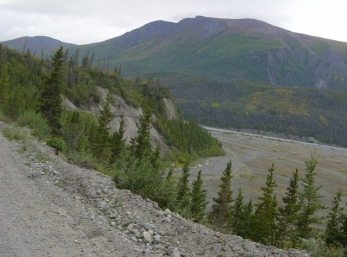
(38, 219)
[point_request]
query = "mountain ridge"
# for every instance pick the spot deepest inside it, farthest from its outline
(242, 49)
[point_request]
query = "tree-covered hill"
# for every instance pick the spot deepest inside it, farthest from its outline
(304, 112)
(23, 92)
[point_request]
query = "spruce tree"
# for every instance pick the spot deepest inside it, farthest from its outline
(198, 199)
(50, 101)
(265, 213)
(102, 144)
(4, 89)
(288, 214)
(141, 144)
(333, 232)
(221, 211)
(245, 227)
(310, 201)
(344, 232)
(183, 192)
(117, 141)
(237, 213)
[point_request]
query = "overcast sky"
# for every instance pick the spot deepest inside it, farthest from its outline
(89, 21)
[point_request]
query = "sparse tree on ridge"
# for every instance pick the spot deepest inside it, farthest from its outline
(333, 231)
(266, 213)
(222, 211)
(50, 101)
(4, 88)
(288, 213)
(183, 192)
(117, 141)
(198, 199)
(310, 200)
(102, 144)
(141, 144)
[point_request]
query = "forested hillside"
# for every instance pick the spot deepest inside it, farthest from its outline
(305, 112)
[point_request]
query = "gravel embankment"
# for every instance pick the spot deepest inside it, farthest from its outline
(51, 208)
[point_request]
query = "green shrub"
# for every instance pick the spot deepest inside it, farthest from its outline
(13, 133)
(3, 117)
(36, 122)
(57, 143)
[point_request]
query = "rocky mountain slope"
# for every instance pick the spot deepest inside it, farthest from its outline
(51, 208)
(130, 114)
(245, 49)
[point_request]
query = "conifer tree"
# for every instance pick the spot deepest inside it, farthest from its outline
(198, 199)
(50, 101)
(310, 200)
(117, 141)
(265, 213)
(288, 214)
(141, 144)
(237, 213)
(245, 227)
(183, 192)
(333, 232)
(4, 88)
(221, 211)
(102, 144)
(344, 232)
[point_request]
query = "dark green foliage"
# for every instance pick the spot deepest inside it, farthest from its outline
(4, 88)
(57, 143)
(102, 143)
(117, 141)
(139, 176)
(237, 213)
(50, 99)
(333, 231)
(183, 192)
(266, 213)
(288, 214)
(224, 103)
(189, 137)
(198, 199)
(344, 231)
(310, 201)
(221, 211)
(36, 122)
(141, 144)
(245, 226)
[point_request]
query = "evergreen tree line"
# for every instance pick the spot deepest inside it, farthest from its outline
(225, 103)
(31, 86)
(287, 225)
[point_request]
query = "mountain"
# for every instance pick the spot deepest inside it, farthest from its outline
(243, 49)
(38, 44)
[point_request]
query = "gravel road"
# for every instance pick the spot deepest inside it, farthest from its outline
(39, 219)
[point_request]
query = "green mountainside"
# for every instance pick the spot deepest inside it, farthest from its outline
(243, 49)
